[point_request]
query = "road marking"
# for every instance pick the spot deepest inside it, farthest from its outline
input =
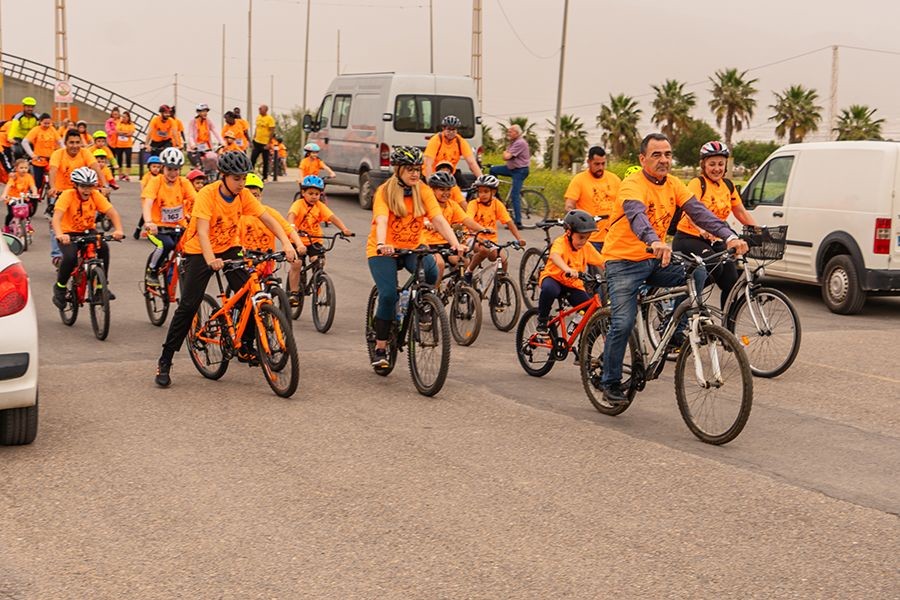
(832, 367)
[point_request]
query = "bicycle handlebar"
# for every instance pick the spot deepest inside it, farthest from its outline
(253, 257)
(333, 238)
(87, 238)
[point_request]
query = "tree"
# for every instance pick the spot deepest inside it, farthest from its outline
(488, 143)
(528, 133)
(672, 108)
(572, 142)
(796, 113)
(619, 120)
(290, 125)
(752, 153)
(696, 133)
(732, 100)
(856, 123)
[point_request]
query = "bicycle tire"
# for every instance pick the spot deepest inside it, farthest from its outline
(156, 301)
(98, 302)
(323, 306)
(733, 361)
(279, 363)
(280, 298)
(69, 313)
(655, 320)
(530, 268)
(757, 344)
(465, 314)
(370, 335)
(296, 311)
(504, 303)
(535, 207)
(590, 353)
(525, 348)
(423, 341)
(23, 234)
(210, 359)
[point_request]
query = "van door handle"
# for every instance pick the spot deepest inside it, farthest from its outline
(778, 214)
(325, 140)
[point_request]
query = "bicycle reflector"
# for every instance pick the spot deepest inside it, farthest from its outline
(13, 290)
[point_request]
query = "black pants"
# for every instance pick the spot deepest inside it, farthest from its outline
(70, 259)
(551, 289)
(196, 276)
(123, 157)
(38, 174)
(157, 147)
(724, 275)
(165, 243)
(262, 149)
(6, 159)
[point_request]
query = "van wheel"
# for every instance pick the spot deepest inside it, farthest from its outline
(366, 193)
(840, 286)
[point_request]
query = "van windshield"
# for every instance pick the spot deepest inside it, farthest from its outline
(423, 113)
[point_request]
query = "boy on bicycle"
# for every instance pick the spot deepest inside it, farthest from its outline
(254, 234)
(154, 168)
(312, 164)
(487, 211)
(455, 193)
(198, 180)
(20, 184)
(75, 212)
(103, 162)
(442, 184)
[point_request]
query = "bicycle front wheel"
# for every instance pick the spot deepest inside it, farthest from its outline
(22, 233)
(98, 297)
(535, 207)
(465, 315)
(773, 340)
(297, 309)
(279, 298)
(156, 299)
(530, 268)
(714, 387)
(429, 344)
(323, 303)
(504, 303)
(69, 312)
(535, 355)
(277, 350)
(590, 352)
(208, 341)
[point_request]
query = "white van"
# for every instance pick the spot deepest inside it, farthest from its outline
(363, 116)
(841, 203)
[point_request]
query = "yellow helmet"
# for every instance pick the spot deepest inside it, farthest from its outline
(29, 101)
(253, 180)
(632, 169)
(99, 134)
(101, 154)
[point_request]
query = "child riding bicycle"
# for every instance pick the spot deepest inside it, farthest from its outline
(20, 184)
(487, 211)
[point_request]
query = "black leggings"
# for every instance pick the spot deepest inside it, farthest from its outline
(260, 149)
(123, 157)
(70, 259)
(724, 275)
(551, 289)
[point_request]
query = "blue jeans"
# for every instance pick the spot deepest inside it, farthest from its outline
(384, 272)
(624, 280)
(515, 195)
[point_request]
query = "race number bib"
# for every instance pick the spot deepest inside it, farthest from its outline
(172, 214)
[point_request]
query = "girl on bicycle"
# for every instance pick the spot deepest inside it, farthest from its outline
(455, 193)
(198, 180)
(487, 211)
(256, 236)
(154, 168)
(399, 209)
(442, 184)
(20, 183)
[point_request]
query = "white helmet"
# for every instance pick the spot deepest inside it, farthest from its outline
(171, 157)
(202, 107)
(84, 176)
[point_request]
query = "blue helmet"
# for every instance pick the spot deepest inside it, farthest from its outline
(312, 147)
(154, 160)
(312, 181)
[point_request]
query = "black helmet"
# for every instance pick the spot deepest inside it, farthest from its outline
(235, 163)
(441, 179)
(580, 222)
(407, 156)
(451, 121)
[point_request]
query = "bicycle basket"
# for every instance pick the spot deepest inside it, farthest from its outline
(20, 211)
(766, 243)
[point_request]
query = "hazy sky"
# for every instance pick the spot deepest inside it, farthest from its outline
(613, 47)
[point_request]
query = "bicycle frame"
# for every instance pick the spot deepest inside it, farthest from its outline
(87, 260)
(589, 307)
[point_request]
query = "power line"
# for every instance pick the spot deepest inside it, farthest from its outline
(518, 37)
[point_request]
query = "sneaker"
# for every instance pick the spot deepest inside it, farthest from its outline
(381, 359)
(137, 233)
(162, 373)
(542, 333)
(468, 278)
(151, 278)
(59, 297)
(675, 343)
(295, 299)
(613, 394)
(247, 354)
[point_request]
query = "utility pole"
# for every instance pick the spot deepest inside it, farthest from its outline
(222, 92)
(272, 93)
(305, 66)
(559, 89)
(175, 92)
(62, 55)
(338, 51)
(249, 61)
(476, 48)
(833, 104)
(431, 33)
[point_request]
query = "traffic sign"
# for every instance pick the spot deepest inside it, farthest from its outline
(63, 92)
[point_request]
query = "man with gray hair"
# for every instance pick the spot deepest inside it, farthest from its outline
(517, 156)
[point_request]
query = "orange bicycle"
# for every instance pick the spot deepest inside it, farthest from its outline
(216, 331)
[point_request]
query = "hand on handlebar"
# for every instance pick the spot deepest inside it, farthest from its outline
(118, 235)
(385, 250)
(662, 252)
(216, 264)
(573, 274)
(290, 254)
(63, 239)
(740, 246)
(151, 228)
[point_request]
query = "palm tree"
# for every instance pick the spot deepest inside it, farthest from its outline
(796, 113)
(488, 143)
(732, 100)
(619, 121)
(572, 141)
(672, 108)
(856, 123)
(528, 133)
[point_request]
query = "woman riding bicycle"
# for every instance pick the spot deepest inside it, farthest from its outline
(399, 209)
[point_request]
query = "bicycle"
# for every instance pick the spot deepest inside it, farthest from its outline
(88, 283)
(716, 358)
(503, 300)
(271, 282)
(533, 203)
(464, 302)
(316, 283)
(157, 298)
(20, 225)
(216, 331)
(421, 327)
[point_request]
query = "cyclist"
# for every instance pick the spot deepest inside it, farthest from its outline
(154, 169)
(448, 146)
(109, 180)
(643, 210)
(594, 191)
(212, 237)
(39, 144)
(455, 193)
(101, 142)
(442, 184)
(487, 211)
(280, 154)
(256, 236)
(125, 129)
(230, 144)
(162, 131)
(76, 212)
(20, 183)
(22, 123)
(721, 197)
(201, 132)
(164, 203)
(399, 209)
(198, 180)
(238, 130)
(311, 163)
(518, 160)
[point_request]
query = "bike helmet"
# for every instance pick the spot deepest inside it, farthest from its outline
(172, 157)
(84, 176)
(235, 163)
(312, 147)
(195, 174)
(714, 149)
(154, 160)
(407, 156)
(445, 165)
(29, 101)
(441, 179)
(579, 221)
(312, 181)
(99, 134)
(451, 121)
(202, 107)
(253, 180)
(100, 153)
(487, 181)
(632, 170)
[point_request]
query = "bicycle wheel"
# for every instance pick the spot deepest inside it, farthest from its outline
(323, 303)
(429, 344)
(656, 317)
(590, 352)
(715, 409)
(98, 302)
(535, 207)
(530, 268)
(465, 314)
(504, 303)
(534, 356)
(277, 350)
(156, 298)
(370, 335)
(69, 313)
(772, 347)
(208, 341)
(22, 233)
(297, 310)
(279, 298)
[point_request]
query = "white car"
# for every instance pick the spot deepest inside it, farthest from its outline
(18, 349)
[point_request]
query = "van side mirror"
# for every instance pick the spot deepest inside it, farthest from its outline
(14, 243)
(387, 117)
(309, 124)
(478, 120)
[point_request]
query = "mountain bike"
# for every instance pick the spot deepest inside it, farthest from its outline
(215, 336)
(713, 382)
(464, 304)
(533, 262)
(157, 298)
(420, 327)
(88, 283)
(316, 283)
(533, 203)
(20, 225)
(492, 282)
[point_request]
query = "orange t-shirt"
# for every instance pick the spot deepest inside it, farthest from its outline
(237, 131)
(108, 174)
(454, 215)
(576, 259)
(18, 186)
(256, 236)
(65, 164)
(718, 199)
(308, 218)
(232, 147)
(160, 131)
(43, 143)
(402, 232)
(77, 215)
(224, 218)
(170, 202)
(441, 150)
(487, 215)
(124, 135)
(310, 166)
(4, 135)
(147, 178)
(202, 131)
(596, 196)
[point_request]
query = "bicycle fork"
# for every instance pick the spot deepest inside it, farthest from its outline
(694, 338)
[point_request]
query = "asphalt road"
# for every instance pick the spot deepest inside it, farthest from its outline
(501, 486)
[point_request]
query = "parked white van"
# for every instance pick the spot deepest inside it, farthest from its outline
(363, 116)
(841, 203)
